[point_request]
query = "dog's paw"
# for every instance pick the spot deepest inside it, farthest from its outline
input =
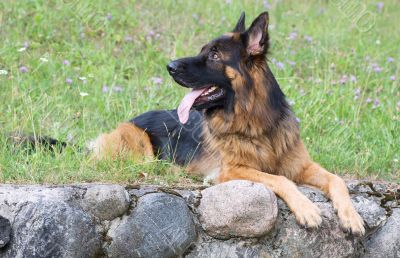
(308, 214)
(351, 221)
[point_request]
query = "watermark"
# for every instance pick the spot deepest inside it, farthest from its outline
(86, 13)
(194, 128)
(357, 13)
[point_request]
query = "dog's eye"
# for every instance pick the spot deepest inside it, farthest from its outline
(213, 56)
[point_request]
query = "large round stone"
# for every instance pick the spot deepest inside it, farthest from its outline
(385, 243)
(5, 230)
(106, 202)
(160, 226)
(238, 208)
(52, 229)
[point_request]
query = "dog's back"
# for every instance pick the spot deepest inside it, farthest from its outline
(172, 140)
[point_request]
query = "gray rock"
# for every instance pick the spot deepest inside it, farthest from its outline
(140, 191)
(5, 230)
(106, 202)
(313, 194)
(237, 208)
(69, 221)
(227, 248)
(292, 240)
(52, 229)
(385, 243)
(370, 210)
(160, 226)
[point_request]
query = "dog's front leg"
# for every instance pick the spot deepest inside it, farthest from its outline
(335, 188)
(306, 212)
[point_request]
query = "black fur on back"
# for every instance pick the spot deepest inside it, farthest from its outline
(172, 140)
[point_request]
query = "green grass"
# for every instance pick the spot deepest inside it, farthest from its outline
(346, 135)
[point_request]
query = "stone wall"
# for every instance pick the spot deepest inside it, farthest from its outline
(234, 219)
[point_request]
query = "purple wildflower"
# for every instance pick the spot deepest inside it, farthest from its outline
(357, 93)
(379, 6)
(105, 89)
(353, 78)
(291, 63)
(376, 103)
(376, 68)
(68, 81)
(157, 80)
(280, 65)
(152, 35)
(117, 88)
(368, 100)
(398, 106)
(109, 16)
(392, 78)
(26, 44)
(292, 35)
(66, 62)
(343, 80)
(23, 69)
(267, 5)
(128, 38)
(309, 39)
(390, 59)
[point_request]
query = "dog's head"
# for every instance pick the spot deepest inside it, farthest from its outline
(211, 72)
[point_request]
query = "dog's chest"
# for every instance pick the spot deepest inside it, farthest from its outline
(236, 149)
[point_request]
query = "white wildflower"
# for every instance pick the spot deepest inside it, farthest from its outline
(83, 94)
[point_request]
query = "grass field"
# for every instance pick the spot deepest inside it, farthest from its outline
(74, 69)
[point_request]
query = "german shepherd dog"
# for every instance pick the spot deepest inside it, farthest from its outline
(234, 122)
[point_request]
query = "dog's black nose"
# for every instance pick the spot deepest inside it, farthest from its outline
(174, 67)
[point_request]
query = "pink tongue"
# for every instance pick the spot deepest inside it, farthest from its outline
(187, 103)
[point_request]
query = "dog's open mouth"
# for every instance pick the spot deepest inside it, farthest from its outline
(198, 97)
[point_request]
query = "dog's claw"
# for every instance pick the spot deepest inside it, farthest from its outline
(351, 221)
(309, 215)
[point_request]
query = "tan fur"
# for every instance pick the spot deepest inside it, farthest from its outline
(126, 140)
(206, 165)
(335, 188)
(274, 157)
(250, 144)
(240, 146)
(233, 35)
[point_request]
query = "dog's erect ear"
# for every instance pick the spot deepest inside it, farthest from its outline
(257, 35)
(240, 25)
